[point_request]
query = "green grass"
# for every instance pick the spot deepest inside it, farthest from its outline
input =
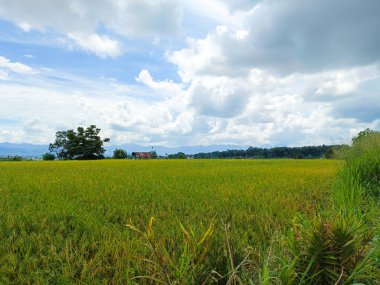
(66, 222)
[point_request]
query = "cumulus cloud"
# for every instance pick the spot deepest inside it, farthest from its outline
(218, 97)
(303, 72)
(81, 20)
(259, 109)
(213, 111)
(289, 36)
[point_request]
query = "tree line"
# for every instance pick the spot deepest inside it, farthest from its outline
(86, 143)
(322, 151)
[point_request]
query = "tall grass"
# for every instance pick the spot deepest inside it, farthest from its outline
(362, 167)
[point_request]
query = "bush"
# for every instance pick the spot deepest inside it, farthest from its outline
(48, 156)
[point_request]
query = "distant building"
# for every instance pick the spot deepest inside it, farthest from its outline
(141, 155)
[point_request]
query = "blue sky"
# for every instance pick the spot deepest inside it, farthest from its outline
(176, 72)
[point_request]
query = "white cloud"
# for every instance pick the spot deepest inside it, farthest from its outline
(81, 20)
(343, 82)
(3, 75)
(41, 107)
(100, 45)
(15, 67)
(166, 87)
(25, 27)
(7, 68)
(218, 96)
(292, 83)
(259, 109)
(202, 55)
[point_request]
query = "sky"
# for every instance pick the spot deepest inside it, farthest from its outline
(184, 73)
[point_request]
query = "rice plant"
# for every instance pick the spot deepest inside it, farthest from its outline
(64, 222)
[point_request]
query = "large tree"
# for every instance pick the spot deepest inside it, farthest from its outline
(84, 143)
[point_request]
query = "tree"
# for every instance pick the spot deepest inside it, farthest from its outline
(48, 156)
(80, 144)
(119, 153)
(153, 154)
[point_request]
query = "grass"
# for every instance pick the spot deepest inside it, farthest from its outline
(215, 220)
(340, 245)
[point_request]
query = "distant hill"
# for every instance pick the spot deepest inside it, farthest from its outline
(25, 149)
(33, 150)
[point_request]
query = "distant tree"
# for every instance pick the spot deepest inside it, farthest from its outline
(80, 144)
(119, 154)
(16, 158)
(323, 151)
(153, 154)
(48, 156)
(179, 155)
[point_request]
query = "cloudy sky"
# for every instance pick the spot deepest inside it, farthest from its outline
(181, 72)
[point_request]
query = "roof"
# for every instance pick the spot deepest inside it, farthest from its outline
(142, 154)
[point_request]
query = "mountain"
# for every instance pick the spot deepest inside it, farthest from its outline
(24, 149)
(32, 150)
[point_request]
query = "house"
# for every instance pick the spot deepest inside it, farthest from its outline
(141, 155)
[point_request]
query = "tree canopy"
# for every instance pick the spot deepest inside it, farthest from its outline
(84, 143)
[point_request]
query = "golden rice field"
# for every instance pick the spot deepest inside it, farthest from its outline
(65, 222)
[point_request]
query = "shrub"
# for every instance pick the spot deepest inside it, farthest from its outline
(48, 156)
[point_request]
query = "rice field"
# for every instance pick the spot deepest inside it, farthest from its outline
(65, 222)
